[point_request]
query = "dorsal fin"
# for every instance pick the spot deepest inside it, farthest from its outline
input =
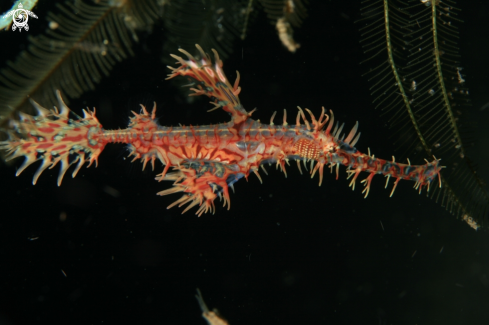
(211, 82)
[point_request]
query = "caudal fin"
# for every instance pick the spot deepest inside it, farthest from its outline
(53, 136)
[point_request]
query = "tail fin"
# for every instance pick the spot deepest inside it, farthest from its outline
(53, 136)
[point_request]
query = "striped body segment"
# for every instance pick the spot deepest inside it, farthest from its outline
(206, 160)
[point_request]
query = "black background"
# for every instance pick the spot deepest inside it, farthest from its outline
(288, 251)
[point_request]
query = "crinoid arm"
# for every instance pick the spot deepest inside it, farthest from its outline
(201, 181)
(211, 81)
(54, 136)
(418, 82)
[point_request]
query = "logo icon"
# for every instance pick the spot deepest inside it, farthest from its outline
(20, 16)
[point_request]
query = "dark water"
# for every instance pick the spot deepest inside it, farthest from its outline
(103, 249)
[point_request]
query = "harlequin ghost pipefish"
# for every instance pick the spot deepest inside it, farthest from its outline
(206, 160)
